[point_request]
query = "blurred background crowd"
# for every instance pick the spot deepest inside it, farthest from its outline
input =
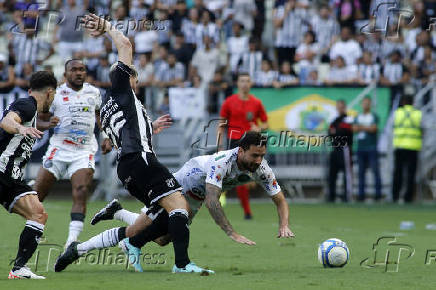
(204, 44)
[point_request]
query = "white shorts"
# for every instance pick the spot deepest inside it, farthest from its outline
(63, 164)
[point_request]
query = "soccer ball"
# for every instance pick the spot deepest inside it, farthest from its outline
(333, 253)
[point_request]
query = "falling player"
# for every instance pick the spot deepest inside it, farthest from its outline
(126, 122)
(203, 179)
(73, 114)
(17, 136)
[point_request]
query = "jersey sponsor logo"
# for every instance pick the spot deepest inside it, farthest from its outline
(193, 171)
(64, 92)
(218, 177)
(249, 116)
(81, 109)
(274, 184)
(65, 99)
(91, 101)
(219, 157)
(170, 182)
(212, 172)
(48, 163)
(77, 123)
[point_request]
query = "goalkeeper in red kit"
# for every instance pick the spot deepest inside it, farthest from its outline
(239, 113)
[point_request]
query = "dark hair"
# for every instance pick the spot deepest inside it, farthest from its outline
(243, 74)
(41, 80)
(341, 101)
(252, 138)
(367, 97)
(71, 60)
(407, 100)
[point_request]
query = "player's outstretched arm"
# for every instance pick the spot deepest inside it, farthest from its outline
(283, 211)
(11, 123)
(98, 25)
(213, 193)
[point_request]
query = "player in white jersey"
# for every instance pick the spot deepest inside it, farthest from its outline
(73, 114)
(203, 179)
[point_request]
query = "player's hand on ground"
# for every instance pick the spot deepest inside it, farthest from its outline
(285, 232)
(241, 239)
(30, 132)
(53, 121)
(161, 123)
(106, 146)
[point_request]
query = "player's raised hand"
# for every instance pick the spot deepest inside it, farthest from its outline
(30, 132)
(161, 123)
(285, 232)
(53, 121)
(241, 239)
(95, 25)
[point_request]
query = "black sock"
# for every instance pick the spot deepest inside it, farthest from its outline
(77, 216)
(179, 231)
(158, 228)
(29, 240)
(121, 233)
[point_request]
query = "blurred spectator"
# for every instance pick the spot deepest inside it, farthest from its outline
(427, 66)
(306, 55)
(68, 33)
(286, 77)
(289, 25)
(313, 79)
(182, 50)
(251, 60)
(23, 78)
(206, 27)
(244, 12)
(206, 60)
(326, 29)
(219, 88)
(368, 71)
(422, 40)
(100, 7)
(366, 127)
(163, 27)
(102, 74)
(164, 107)
(341, 134)
(348, 11)
(111, 55)
(145, 71)
(237, 45)
(29, 11)
(394, 72)
(407, 144)
(7, 75)
(265, 76)
(92, 49)
(27, 47)
(346, 47)
(171, 73)
(189, 27)
(144, 39)
(340, 73)
(259, 19)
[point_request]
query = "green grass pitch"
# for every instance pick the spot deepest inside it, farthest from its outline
(271, 264)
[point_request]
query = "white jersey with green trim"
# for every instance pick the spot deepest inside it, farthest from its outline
(220, 169)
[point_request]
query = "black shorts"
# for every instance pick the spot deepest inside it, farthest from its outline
(12, 190)
(146, 178)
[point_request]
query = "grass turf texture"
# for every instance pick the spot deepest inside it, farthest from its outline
(271, 264)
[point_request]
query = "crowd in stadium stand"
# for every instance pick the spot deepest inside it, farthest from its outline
(204, 44)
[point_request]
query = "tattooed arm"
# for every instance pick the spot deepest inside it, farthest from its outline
(213, 193)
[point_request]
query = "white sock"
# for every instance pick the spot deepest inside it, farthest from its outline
(76, 227)
(108, 238)
(126, 216)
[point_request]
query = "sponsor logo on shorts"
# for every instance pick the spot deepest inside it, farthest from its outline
(170, 182)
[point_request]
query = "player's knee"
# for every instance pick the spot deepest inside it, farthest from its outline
(132, 231)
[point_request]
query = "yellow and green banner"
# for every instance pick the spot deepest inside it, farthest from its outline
(298, 118)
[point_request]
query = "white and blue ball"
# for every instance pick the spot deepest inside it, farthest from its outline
(333, 253)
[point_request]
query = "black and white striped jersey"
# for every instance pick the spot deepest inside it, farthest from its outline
(16, 149)
(123, 118)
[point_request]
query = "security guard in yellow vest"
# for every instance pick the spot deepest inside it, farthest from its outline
(407, 143)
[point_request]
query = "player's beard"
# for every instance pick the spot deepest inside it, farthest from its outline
(250, 166)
